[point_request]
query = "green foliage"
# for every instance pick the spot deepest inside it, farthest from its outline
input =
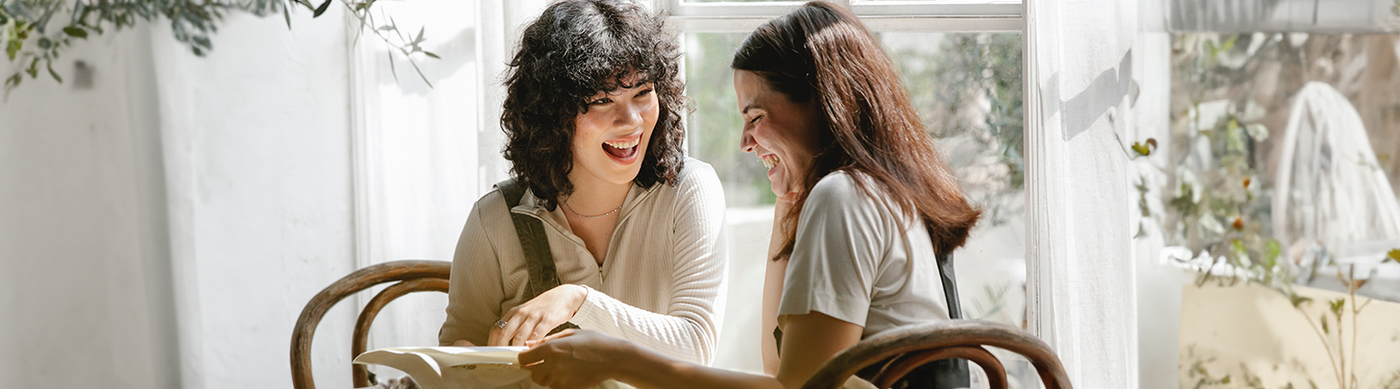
(971, 88)
(35, 31)
(1212, 205)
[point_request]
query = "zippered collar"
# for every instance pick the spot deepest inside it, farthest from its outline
(530, 205)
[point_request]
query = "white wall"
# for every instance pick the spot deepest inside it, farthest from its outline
(84, 260)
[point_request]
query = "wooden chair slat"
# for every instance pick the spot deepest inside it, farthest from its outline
(996, 373)
(919, 338)
(357, 281)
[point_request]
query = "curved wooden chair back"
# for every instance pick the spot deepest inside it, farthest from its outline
(408, 276)
(918, 344)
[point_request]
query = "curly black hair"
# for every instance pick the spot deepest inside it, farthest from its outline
(574, 50)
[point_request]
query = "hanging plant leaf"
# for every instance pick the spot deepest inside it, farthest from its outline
(322, 9)
(33, 69)
(12, 48)
(49, 65)
(76, 32)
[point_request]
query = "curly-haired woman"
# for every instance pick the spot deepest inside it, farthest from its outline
(593, 120)
(866, 203)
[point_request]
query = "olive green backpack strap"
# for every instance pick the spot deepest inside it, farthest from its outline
(535, 244)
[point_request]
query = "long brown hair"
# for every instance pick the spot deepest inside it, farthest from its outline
(823, 51)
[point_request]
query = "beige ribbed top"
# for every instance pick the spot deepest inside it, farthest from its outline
(660, 284)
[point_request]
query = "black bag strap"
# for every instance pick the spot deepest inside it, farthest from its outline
(535, 244)
(950, 285)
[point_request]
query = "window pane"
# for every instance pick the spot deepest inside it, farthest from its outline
(714, 124)
(1281, 168)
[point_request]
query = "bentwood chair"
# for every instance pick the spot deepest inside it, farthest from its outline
(917, 344)
(408, 277)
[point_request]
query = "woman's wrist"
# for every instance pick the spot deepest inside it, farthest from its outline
(639, 365)
(580, 295)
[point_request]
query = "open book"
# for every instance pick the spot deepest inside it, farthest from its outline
(454, 367)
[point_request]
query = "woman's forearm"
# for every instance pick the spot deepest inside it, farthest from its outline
(687, 333)
(645, 368)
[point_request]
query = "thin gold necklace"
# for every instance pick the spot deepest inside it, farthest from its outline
(571, 209)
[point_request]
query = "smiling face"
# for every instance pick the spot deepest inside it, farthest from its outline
(781, 133)
(611, 138)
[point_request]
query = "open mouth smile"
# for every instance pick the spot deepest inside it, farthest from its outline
(770, 161)
(624, 149)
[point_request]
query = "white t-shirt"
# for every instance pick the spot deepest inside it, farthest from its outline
(858, 259)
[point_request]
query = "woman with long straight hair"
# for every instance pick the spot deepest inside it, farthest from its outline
(866, 203)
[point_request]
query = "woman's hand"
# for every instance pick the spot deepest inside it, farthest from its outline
(535, 318)
(574, 359)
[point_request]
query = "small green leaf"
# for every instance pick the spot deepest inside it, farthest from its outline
(12, 48)
(49, 65)
(1337, 306)
(435, 56)
(1393, 255)
(322, 9)
(1141, 149)
(1297, 300)
(45, 43)
(76, 32)
(33, 69)
(1323, 319)
(1145, 148)
(1225, 380)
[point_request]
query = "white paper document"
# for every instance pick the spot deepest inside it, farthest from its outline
(453, 367)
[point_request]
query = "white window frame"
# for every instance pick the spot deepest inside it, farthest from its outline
(891, 15)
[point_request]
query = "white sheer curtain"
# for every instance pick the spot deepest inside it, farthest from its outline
(1078, 99)
(424, 155)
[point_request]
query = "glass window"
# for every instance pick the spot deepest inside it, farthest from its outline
(1282, 168)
